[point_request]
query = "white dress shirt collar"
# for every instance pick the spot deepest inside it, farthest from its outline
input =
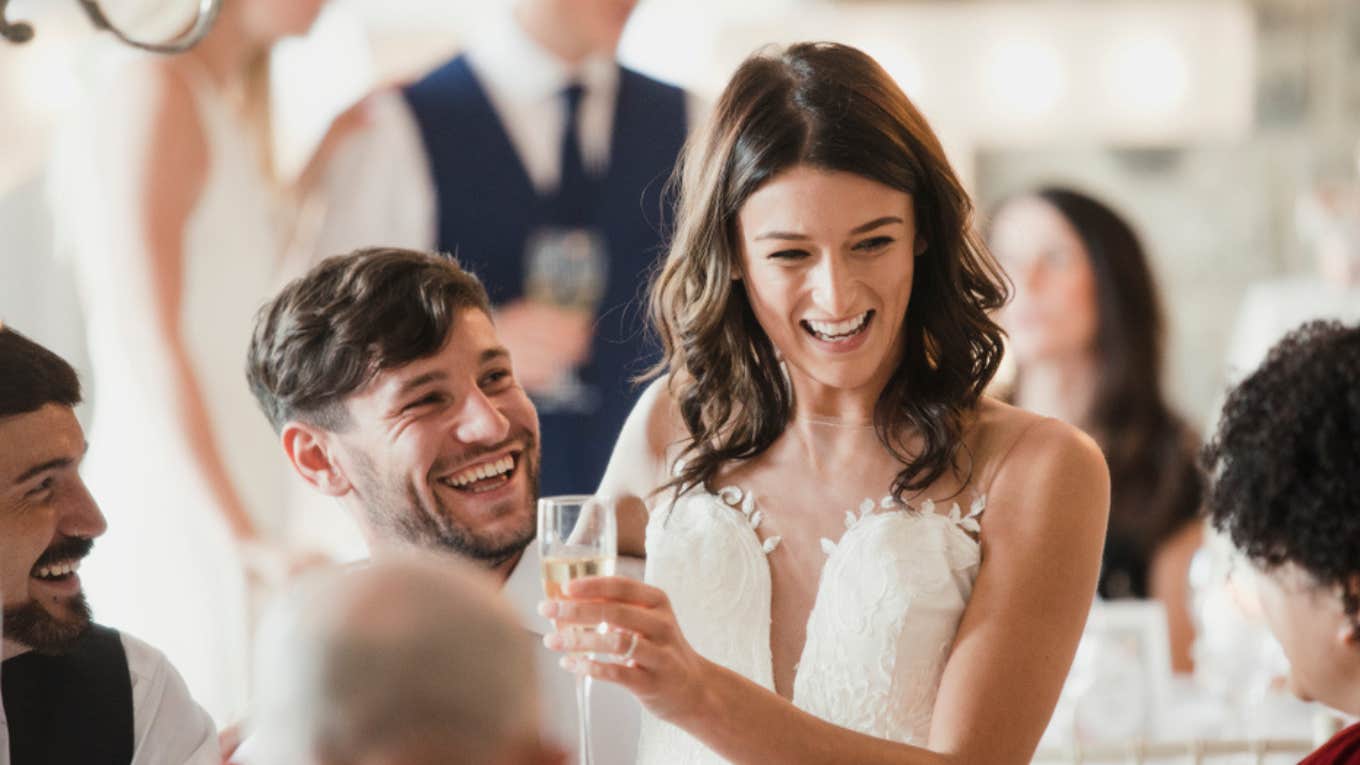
(524, 83)
(507, 59)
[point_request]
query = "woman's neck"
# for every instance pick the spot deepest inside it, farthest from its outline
(1062, 387)
(831, 428)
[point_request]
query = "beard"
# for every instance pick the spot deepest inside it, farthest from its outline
(394, 506)
(32, 625)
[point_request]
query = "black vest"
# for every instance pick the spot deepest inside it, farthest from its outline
(488, 207)
(75, 708)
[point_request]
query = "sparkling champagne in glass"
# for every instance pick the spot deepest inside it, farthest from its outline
(577, 537)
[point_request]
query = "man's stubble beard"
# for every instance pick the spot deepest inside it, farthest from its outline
(31, 625)
(395, 508)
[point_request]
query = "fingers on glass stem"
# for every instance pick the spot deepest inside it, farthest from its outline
(602, 670)
(615, 642)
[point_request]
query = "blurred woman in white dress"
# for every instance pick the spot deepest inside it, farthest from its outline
(164, 194)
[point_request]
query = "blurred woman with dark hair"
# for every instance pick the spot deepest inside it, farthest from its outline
(1087, 332)
(852, 554)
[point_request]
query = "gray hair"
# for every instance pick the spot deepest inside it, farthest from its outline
(385, 657)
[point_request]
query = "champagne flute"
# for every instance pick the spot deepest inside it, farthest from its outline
(567, 268)
(577, 537)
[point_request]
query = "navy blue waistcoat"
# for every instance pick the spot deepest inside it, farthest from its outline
(488, 207)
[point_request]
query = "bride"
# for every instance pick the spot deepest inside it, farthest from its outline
(852, 554)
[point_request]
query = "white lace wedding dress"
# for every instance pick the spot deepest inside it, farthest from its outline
(889, 602)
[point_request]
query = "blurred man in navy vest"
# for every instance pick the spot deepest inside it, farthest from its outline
(541, 162)
(73, 691)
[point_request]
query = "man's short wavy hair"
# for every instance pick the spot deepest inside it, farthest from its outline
(329, 332)
(1285, 463)
(32, 376)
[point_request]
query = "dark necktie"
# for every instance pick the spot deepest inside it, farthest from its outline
(576, 190)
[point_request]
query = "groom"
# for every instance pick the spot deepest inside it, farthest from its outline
(391, 391)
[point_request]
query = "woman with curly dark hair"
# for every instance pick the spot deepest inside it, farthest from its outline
(1087, 333)
(1284, 473)
(852, 554)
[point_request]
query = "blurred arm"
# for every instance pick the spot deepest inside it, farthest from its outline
(639, 463)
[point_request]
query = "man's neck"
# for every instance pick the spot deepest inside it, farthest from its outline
(500, 570)
(551, 38)
(503, 570)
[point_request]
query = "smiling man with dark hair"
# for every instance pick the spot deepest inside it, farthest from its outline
(73, 691)
(384, 375)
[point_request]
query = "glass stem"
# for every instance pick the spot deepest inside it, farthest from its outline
(583, 718)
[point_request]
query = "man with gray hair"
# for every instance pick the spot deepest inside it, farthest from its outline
(412, 660)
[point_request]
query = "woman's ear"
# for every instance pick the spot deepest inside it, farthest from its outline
(920, 248)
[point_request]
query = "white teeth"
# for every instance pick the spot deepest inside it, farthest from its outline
(840, 328)
(59, 570)
(483, 471)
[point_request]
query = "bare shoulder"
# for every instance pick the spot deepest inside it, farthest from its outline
(150, 148)
(1002, 435)
(153, 102)
(1037, 469)
(640, 464)
(651, 438)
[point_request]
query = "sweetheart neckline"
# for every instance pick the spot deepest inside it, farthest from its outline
(743, 502)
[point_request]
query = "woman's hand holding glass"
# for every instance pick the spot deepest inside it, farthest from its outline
(651, 657)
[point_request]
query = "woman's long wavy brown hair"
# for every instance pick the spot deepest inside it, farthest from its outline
(1155, 485)
(831, 107)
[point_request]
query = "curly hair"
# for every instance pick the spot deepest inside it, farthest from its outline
(1285, 462)
(330, 331)
(831, 107)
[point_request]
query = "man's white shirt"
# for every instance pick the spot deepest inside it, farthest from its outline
(169, 727)
(377, 188)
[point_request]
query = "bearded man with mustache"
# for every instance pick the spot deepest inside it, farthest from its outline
(73, 691)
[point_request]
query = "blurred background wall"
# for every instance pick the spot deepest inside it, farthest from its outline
(1203, 120)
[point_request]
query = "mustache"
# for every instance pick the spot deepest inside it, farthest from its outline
(66, 549)
(522, 438)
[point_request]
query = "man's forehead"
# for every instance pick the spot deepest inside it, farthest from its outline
(31, 439)
(470, 343)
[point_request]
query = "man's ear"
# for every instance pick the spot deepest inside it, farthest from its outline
(313, 457)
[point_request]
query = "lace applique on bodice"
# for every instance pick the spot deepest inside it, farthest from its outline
(887, 607)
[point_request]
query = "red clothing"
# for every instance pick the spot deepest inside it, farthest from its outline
(1343, 749)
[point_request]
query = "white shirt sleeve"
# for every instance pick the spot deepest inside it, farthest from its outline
(376, 190)
(169, 727)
